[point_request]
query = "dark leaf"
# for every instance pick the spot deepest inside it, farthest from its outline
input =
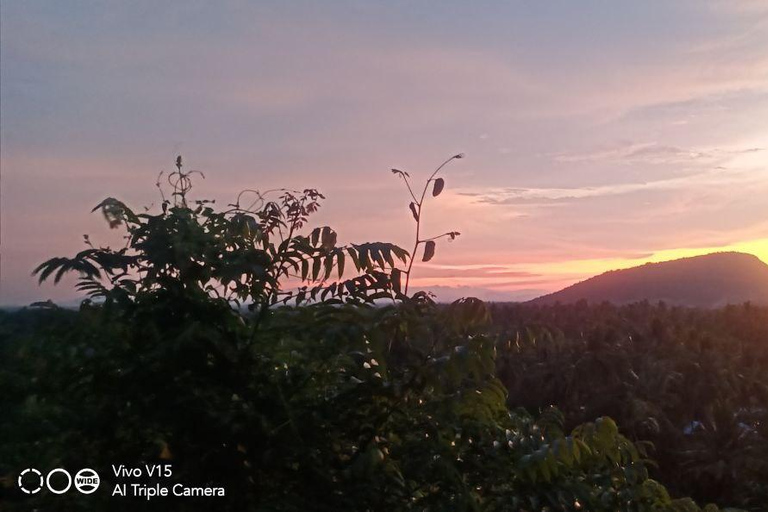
(396, 276)
(414, 211)
(340, 263)
(355, 259)
(116, 212)
(328, 238)
(438, 187)
(429, 250)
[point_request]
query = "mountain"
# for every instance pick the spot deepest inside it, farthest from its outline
(707, 281)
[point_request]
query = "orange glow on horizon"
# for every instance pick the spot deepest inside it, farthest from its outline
(553, 276)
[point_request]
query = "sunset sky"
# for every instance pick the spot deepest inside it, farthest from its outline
(598, 134)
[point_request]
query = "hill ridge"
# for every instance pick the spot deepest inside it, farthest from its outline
(709, 280)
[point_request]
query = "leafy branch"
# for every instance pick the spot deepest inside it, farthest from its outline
(416, 206)
(252, 252)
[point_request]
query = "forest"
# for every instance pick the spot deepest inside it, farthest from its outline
(250, 350)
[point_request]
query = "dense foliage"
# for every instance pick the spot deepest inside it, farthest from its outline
(236, 348)
(692, 382)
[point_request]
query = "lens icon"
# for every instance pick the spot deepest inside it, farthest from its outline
(31, 484)
(87, 481)
(54, 472)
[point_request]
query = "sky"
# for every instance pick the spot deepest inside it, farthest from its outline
(598, 134)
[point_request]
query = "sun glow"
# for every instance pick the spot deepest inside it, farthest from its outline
(551, 276)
